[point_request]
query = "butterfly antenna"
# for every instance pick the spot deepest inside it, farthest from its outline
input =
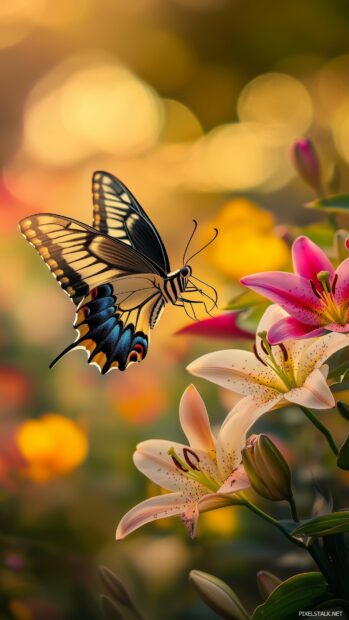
(189, 241)
(206, 245)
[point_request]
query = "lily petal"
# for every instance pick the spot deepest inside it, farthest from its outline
(292, 292)
(237, 481)
(316, 354)
(232, 435)
(221, 326)
(212, 501)
(341, 292)
(238, 371)
(151, 509)
(190, 519)
(314, 393)
(195, 421)
(152, 459)
(309, 260)
(289, 328)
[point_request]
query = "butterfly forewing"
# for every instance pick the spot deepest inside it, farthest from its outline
(118, 214)
(78, 256)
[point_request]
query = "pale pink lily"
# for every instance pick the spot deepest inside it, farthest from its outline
(316, 297)
(202, 476)
(273, 375)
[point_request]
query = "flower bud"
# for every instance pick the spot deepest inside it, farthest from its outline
(343, 409)
(340, 244)
(267, 582)
(267, 469)
(218, 596)
(307, 164)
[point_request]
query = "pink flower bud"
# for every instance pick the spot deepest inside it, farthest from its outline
(307, 163)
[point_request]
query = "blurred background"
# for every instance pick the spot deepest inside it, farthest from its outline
(193, 104)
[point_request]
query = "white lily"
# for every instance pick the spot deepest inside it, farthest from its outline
(274, 375)
(202, 476)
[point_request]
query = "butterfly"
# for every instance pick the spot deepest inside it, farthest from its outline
(116, 272)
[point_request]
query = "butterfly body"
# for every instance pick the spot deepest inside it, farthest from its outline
(116, 272)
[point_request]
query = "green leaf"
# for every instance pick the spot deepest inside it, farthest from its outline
(343, 456)
(300, 592)
(246, 299)
(340, 372)
(333, 523)
(337, 203)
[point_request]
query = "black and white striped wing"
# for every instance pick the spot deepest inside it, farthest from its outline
(118, 214)
(79, 257)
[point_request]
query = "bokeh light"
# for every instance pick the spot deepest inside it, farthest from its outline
(51, 445)
(102, 108)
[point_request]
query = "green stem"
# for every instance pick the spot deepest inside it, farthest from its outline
(332, 221)
(270, 519)
(293, 509)
(326, 433)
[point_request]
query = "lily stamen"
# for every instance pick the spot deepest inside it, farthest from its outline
(195, 472)
(314, 289)
(284, 351)
(258, 356)
(334, 283)
(186, 452)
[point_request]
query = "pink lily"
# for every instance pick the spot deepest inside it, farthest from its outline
(201, 476)
(273, 375)
(316, 297)
(222, 326)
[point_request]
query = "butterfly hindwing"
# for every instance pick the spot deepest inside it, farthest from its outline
(118, 214)
(112, 329)
(78, 256)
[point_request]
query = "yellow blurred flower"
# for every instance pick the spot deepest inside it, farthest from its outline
(52, 445)
(221, 522)
(246, 242)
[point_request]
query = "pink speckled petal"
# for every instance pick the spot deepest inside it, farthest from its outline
(194, 420)
(316, 354)
(238, 371)
(290, 329)
(292, 292)
(336, 327)
(314, 393)
(309, 260)
(158, 507)
(232, 435)
(341, 293)
(237, 481)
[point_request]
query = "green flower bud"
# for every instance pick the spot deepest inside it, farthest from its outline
(343, 409)
(267, 469)
(218, 596)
